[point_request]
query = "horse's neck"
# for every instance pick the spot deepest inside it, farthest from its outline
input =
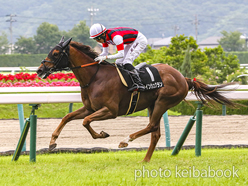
(78, 58)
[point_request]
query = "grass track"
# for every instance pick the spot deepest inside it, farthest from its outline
(59, 110)
(120, 168)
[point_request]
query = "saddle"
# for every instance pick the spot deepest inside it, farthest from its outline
(148, 74)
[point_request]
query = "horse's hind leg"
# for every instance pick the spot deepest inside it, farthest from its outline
(78, 114)
(154, 126)
(155, 136)
(154, 140)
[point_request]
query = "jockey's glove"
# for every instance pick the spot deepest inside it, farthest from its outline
(100, 58)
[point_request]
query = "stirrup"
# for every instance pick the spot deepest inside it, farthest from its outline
(136, 87)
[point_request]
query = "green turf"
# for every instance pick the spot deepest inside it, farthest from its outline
(124, 168)
(57, 110)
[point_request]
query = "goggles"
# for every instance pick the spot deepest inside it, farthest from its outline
(98, 38)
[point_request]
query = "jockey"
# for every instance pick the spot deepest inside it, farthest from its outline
(129, 43)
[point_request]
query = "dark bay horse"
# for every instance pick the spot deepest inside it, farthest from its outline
(105, 97)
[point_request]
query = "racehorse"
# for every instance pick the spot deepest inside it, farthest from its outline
(105, 97)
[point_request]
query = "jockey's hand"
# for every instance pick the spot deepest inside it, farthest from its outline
(100, 58)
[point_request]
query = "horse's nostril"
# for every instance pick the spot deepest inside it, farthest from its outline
(39, 71)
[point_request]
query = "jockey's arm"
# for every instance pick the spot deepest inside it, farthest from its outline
(118, 40)
(105, 50)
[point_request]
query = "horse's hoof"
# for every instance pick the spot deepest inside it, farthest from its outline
(144, 161)
(53, 146)
(104, 134)
(123, 145)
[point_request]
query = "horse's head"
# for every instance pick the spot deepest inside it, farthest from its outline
(56, 60)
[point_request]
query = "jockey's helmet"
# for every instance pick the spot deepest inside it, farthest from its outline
(97, 30)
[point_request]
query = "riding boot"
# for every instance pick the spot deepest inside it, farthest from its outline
(137, 84)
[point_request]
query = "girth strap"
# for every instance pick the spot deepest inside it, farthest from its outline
(133, 102)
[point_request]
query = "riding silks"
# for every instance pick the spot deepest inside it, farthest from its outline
(148, 74)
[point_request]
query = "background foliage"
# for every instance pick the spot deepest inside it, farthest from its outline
(3, 43)
(232, 42)
(211, 65)
(24, 60)
(242, 56)
(185, 109)
(154, 18)
(48, 35)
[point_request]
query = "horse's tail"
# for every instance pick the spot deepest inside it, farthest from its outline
(206, 93)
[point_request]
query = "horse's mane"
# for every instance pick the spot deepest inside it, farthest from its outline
(85, 49)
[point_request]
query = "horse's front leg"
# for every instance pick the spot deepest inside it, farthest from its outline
(78, 114)
(102, 114)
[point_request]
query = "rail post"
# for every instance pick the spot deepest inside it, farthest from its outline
(167, 129)
(33, 126)
(183, 136)
(21, 140)
(198, 118)
(198, 133)
(223, 110)
(70, 107)
(21, 122)
(31, 123)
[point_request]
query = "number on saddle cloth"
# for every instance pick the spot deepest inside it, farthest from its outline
(148, 74)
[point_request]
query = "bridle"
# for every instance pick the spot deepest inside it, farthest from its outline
(64, 56)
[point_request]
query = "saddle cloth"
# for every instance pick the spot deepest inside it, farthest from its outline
(148, 74)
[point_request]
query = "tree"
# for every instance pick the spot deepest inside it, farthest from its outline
(221, 65)
(185, 69)
(152, 56)
(175, 54)
(80, 33)
(232, 42)
(48, 35)
(210, 65)
(4, 43)
(25, 45)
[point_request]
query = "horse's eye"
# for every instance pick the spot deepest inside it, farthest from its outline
(55, 54)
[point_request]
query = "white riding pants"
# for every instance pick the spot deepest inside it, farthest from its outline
(133, 50)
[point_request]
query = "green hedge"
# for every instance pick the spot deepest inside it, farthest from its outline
(242, 56)
(23, 60)
(29, 60)
(186, 109)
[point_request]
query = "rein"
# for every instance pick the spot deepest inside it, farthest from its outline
(92, 78)
(86, 65)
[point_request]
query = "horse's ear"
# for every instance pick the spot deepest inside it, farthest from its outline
(66, 43)
(62, 39)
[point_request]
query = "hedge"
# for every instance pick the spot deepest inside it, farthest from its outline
(185, 109)
(23, 60)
